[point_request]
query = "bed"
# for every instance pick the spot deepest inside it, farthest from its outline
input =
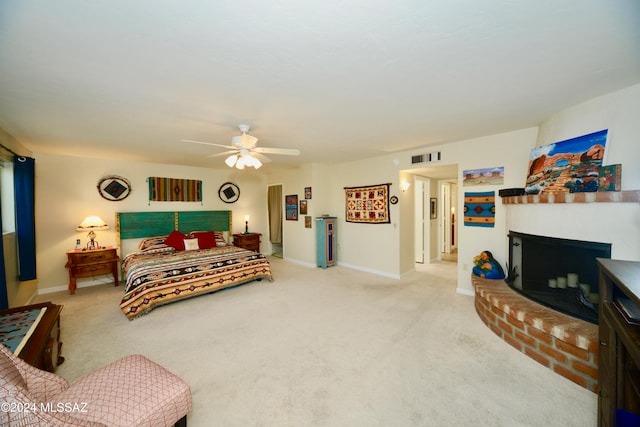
(157, 272)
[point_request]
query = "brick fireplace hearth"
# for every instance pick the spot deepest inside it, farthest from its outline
(564, 344)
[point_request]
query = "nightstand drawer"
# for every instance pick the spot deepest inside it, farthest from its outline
(85, 258)
(92, 269)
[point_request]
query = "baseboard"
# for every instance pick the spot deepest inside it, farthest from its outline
(465, 292)
(368, 270)
(83, 284)
(297, 261)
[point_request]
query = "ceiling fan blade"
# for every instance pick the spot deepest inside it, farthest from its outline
(285, 151)
(207, 143)
(224, 153)
(263, 159)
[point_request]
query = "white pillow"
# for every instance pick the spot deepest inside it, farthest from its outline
(191, 244)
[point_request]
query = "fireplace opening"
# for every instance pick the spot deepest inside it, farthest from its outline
(559, 273)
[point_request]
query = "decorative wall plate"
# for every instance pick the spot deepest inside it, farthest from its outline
(229, 192)
(393, 200)
(114, 188)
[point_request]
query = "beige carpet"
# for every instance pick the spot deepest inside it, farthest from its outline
(333, 347)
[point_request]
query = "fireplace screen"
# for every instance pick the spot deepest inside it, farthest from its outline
(559, 273)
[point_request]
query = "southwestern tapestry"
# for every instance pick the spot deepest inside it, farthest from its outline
(174, 190)
(480, 209)
(369, 205)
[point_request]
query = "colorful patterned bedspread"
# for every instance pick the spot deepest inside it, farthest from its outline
(157, 279)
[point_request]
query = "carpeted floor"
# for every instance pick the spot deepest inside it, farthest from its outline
(333, 347)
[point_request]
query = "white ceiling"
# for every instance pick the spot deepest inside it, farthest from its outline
(339, 80)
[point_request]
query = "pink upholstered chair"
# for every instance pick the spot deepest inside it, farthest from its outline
(133, 391)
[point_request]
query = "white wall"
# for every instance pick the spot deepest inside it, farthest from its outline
(616, 223)
(374, 248)
(66, 192)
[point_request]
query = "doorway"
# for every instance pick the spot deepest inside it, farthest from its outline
(430, 221)
(275, 209)
(449, 224)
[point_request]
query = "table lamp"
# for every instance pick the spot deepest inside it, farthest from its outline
(92, 223)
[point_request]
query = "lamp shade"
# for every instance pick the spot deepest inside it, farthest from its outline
(231, 160)
(92, 223)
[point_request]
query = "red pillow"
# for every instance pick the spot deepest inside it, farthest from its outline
(206, 239)
(176, 240)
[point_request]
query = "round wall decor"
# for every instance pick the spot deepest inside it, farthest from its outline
(393, 200)
(114, 188)
(229, 192)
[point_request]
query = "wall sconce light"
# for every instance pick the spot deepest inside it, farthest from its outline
(405, 186)
(92, 223)
(246, 224)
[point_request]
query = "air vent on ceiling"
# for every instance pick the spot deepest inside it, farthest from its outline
(417, 159)
(424, 158)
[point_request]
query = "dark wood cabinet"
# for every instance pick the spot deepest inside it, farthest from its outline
(619, 330)
(87, 263)
(249, 241)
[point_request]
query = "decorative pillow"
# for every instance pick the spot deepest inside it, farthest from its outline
(154, 245)
(176, 240)
(206, 239)
(191, 244)
(151, 242)
(220, 238)
(164, 249)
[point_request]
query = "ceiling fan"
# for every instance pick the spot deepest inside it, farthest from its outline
(243, 151)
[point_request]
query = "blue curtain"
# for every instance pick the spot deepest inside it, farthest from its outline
(4, 299)
(24, 189)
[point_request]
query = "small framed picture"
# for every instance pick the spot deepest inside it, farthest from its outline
(433, 207)
(307, 193)
(291, 207)
(303, 207)
(307, 221)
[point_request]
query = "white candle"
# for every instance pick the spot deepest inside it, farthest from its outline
(562, 282)
(586, 288)
(553, 283)
(572, 280)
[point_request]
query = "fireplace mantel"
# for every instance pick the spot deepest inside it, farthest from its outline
(629, 196)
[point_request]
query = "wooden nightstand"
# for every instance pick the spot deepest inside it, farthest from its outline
(250, 241)
(91, 263)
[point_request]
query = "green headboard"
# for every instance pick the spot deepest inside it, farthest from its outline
(133, 225)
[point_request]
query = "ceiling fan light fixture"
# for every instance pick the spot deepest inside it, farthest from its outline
(231, 160)
(249, 160)
(244, 151)
(240, 163)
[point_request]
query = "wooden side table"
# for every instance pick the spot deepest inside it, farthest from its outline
(250, 241)
(86, 263)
